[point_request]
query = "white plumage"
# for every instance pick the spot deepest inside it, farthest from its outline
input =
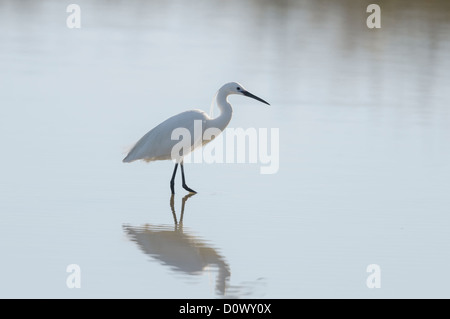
(158, 144)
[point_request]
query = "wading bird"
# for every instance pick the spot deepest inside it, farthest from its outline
(158, 143)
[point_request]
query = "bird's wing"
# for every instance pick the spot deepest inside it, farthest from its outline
(157, 144)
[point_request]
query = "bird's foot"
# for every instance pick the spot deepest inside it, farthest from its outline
(190, 190)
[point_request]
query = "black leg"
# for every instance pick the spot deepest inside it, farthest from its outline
(172, 181)
(184, 182)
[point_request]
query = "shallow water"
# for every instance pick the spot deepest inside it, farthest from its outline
(364, 172)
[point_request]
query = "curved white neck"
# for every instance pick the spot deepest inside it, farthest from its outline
(226, 112)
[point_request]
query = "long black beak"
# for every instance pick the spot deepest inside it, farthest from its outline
(246, 93)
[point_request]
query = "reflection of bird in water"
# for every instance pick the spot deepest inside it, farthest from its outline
(178, 249)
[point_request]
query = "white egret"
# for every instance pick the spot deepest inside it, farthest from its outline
(158, 144)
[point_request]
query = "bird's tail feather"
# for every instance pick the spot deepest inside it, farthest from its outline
(128, 151)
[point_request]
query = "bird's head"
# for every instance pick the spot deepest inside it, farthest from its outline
(236, 88)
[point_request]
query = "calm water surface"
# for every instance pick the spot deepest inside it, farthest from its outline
(364, 172)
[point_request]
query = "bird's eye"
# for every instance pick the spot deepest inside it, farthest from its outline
(238, 88)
